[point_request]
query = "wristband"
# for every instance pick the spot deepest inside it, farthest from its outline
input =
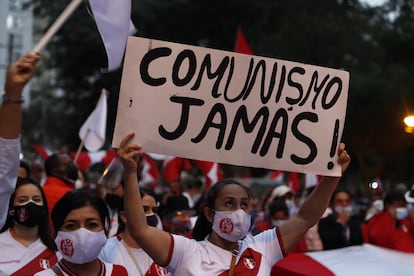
(9, 100)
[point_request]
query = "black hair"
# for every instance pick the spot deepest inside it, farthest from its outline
(76, 199)
(203, 227)
(337, 191)
(44, 226)
(278, 204)
(51, 163)
(26, 167)
(394, 196)
(121, 224)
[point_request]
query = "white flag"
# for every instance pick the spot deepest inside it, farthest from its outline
(93, 131)
(113, 19)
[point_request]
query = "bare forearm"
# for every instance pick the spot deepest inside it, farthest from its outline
(11, 115)
(317, 202)
(18, 75)
(136, 220)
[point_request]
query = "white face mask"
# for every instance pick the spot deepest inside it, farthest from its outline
(78, 184)
(80, 246)
(401, 213)
(231, 225)
(278, 222)
(342, 210)
(290, 204)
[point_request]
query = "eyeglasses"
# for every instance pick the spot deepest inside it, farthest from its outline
(148, 208)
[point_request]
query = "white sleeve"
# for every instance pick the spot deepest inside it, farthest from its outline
(181, 246)
(9, 168)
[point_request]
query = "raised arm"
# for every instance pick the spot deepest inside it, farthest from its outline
(154, 241)
(314, 206)
(18, 75)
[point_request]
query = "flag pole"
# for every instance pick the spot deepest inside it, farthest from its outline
(80, 147)
(56, 25)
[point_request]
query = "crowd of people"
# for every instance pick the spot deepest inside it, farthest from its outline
(54, 224)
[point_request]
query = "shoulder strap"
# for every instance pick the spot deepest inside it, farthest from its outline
(57, 270)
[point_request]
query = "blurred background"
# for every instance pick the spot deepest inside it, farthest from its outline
(373, 40)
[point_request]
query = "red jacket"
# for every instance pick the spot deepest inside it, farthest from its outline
(382, 230)
(55, 189)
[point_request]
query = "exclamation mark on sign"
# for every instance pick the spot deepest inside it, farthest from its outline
(334, 144)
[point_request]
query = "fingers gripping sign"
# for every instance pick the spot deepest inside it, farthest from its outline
(343, 157)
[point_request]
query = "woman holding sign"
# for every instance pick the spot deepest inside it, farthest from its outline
(222, 248)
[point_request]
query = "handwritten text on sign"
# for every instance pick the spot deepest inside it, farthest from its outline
(231, 108)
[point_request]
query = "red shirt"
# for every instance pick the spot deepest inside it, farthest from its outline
(55, 189)
(382, 230)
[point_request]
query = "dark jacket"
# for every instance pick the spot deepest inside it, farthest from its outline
(332, 233)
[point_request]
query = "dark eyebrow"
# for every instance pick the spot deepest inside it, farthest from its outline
(231, 197)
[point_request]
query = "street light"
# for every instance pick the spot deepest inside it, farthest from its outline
(409, 123)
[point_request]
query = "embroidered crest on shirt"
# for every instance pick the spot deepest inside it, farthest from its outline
(44, 263)
(249, 262)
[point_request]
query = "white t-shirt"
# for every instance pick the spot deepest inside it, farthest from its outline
(115, 252)
(9, 168)
(106, 270)
(16, 258)
(256, 256)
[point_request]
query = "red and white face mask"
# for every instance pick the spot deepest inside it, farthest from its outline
(232, 225)
(80, 246)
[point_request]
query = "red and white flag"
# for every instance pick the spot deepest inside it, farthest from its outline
(43, 152)
(358, 260)
(150, 173)
(172, 167)
(211, 170)
(113, 19)
(293, 182)
(86, 159)
(241, 45)
(93, 131)
(311, 180)
(278, 176)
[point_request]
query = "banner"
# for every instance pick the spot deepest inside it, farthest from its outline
(232, 108)
(354, 260)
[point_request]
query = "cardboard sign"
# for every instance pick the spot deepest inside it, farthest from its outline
(231, 108)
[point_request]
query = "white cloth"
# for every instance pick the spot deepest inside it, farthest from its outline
(256, 256)
(115, 252)
(366, 259)
(9, 167)
(14, 256)
(108, 271)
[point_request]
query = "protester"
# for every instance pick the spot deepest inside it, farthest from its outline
(124, 250)
(114, 200)
(283, 191)
(61, 177)
(393, 227)
(81, 220)
(340, 229)
(409, 197)
(221, 226)
(25, 240)
(278, 214)
(24, 170)
(18, 75)
(37, 171)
